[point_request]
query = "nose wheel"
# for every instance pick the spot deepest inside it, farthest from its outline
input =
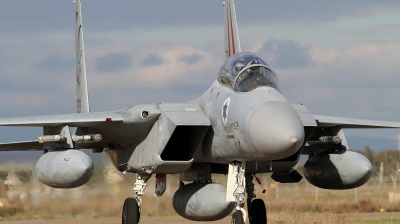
(130, 212)
(132, 206)
(237, 218)
(258, 212)
(256, 206)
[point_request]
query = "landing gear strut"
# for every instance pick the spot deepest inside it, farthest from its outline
(132, 206)
(243, 183)
(250, 195)
(255, 207)
(238, 170)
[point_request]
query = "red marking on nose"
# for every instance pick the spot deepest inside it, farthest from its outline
(109, 119)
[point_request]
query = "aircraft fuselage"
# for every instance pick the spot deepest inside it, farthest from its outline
(255, 125)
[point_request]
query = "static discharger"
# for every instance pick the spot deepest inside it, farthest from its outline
(88, 138)
(51, 138)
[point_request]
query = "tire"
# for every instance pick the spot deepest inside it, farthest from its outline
(258, 212)
(130, 212)
(237, 218)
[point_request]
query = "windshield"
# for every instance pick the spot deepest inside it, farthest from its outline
(245, 71)
(255, 76)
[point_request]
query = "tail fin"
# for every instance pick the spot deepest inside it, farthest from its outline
(82, 96)
(232, 42)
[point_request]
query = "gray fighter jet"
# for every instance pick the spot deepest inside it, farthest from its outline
(241, 126)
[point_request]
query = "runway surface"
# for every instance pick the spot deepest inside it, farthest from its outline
(349, 217)
(145, 220)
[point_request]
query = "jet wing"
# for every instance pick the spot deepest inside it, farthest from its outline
(329, 122)
(18, 146)
(122, 128)
(86, 120)
(334, 127)
(73, 120)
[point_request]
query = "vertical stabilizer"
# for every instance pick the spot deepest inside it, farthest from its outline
(82, 97)
(232, 42)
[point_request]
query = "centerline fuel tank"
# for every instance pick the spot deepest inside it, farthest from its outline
(202, 201)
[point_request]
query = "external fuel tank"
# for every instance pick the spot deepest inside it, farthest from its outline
(64, 169)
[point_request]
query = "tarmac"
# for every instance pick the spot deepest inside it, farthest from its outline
(144, 220)
(180, 220)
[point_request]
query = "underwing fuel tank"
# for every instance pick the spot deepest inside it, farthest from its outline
(338, 170)
(202, 201)
(64, 169)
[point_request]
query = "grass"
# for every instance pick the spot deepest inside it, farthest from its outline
(380, 221)
(286, 203)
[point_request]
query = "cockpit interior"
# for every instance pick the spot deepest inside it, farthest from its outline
(244, 72)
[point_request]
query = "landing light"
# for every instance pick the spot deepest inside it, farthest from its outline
(241, 199)
(240, 190)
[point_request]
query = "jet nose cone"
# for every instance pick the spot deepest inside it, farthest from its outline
(275, 130)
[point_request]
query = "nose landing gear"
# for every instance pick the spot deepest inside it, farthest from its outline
(255, 206)
(244, 182)
(258, 212)
(132, 206)
(237, 218)
(130, 212)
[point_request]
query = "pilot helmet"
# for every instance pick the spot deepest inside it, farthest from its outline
(238, 67)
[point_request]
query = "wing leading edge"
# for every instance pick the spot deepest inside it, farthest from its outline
(321, 121)
(329, 122)
(22, 146)
(72, 120)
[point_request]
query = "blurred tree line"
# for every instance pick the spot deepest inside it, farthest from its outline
(389, 159)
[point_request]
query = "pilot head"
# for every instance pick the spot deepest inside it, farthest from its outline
(238, 67)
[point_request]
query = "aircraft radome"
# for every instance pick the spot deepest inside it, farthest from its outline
(241, 126)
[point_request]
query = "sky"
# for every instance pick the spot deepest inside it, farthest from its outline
(338, 58)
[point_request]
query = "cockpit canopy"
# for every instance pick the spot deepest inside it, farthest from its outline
(245, 72)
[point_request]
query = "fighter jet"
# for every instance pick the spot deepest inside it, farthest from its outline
(241, 126)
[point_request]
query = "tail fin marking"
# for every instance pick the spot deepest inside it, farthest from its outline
(231, 30)
(82, 96)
